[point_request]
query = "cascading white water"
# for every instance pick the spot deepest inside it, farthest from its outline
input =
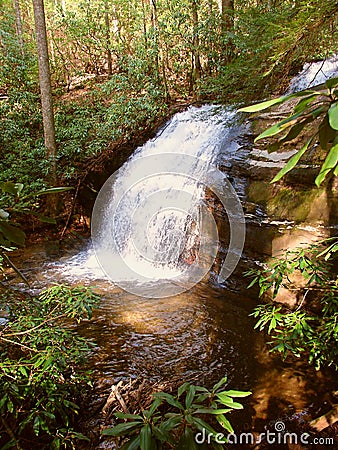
(149, 219)
(164, 182)
(315, 73)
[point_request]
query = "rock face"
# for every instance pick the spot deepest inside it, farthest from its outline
(279, 216)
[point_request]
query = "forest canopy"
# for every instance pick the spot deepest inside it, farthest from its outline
(117, 65)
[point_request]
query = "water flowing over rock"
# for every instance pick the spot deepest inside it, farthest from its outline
(315, 73)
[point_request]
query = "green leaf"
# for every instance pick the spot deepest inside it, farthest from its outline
(121, 429)
(182, 389)
(264, 105)
(121, 415)
(3, 401)
(329, 164)
(201, 389)
(187, 441)
(10, 406)
(224, 398)
(224, 422)
(36, 425)
(155, 404)
(278, 127)
(54, 190)
(145, 438)
(133, 444)
(200, 425)
(11, 233)
(228, 401)
(215, 412)
(221, 382)
(171, 423)
(238, 393)
(10, 444)
(293, 132)
(317, 111)
(304, 103)
(169, 399)
(333, 116)
(190, 396)
(292, 162)
(254, 281)
(332, 82)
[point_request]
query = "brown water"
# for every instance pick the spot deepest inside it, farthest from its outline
(200, 335)
(206, 332)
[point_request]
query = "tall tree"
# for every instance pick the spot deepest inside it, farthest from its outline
(196, 62)
(107, 24)
(46, 94)
(227, 15)
(18, 24)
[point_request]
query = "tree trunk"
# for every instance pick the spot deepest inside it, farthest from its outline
(107, 23)
(46, 96)
(227, 14)
(144, 19)
(159, 57)
(18, 25)
(196, 62)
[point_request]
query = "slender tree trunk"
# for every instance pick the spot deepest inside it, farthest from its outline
(18, 25)
(196, 62)
(144, 19)
(210, 62)
(107, 23)
(154, 21)
(46, 95)
(227, 13)
(159, 58)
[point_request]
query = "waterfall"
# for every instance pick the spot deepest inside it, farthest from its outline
(315, 73)
(151, 230)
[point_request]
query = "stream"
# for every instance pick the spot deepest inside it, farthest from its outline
(151, 323)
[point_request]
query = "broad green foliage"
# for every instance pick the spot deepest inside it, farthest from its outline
(317, 109)
(311, 327)
(40, 379)
(176, 419)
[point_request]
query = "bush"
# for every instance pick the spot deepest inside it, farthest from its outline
(40, 381)
(311, 327)
(173, 419)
